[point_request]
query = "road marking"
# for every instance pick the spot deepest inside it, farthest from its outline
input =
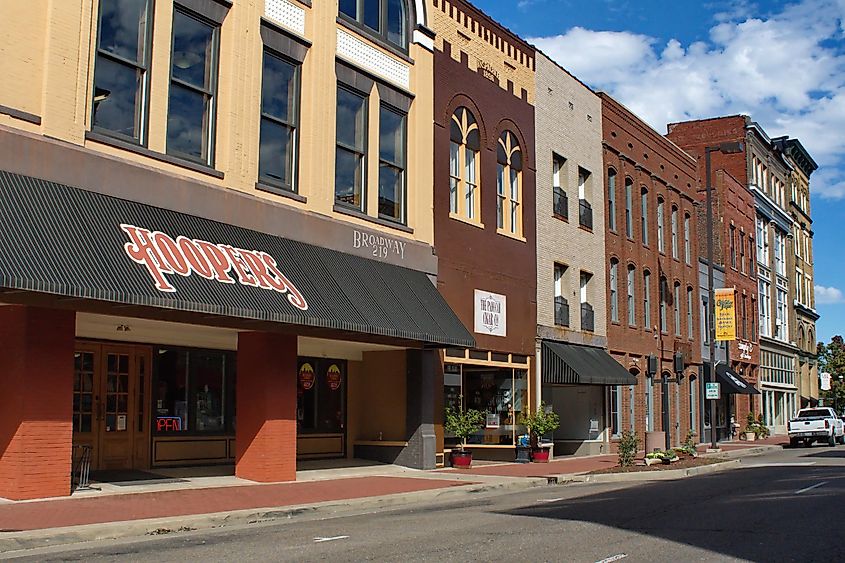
(551, 499)
(613, 558)
(321, 540)
(816, 486)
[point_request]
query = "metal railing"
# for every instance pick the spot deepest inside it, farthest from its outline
(560, 203)
(561, 311)
(81, 468)
(585, 214)
(588, 317)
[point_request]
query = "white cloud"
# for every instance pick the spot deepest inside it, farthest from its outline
(828, 295)
(786, 70)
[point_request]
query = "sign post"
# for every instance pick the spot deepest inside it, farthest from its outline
(712, 392)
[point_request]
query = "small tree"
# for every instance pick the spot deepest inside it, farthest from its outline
(628, 446)
(463, 423)
(540, 422)
(832, 361)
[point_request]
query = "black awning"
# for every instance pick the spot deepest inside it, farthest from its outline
(582, 365)
(733, 382)
(71, 242)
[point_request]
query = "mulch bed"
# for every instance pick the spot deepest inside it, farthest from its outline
(640, 466)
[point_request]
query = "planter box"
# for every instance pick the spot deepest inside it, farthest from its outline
(461, 459)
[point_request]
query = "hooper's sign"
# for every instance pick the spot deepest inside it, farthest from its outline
(161, 254)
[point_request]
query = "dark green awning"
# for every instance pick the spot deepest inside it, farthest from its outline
(563, 363)
(70, 242)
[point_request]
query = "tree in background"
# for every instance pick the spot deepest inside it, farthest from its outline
(832, 361)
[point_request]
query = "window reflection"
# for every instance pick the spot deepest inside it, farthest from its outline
(392, 164)
(350, 154)
(279, 98)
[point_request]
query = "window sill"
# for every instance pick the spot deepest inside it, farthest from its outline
(562, 218)
(586, 229)
(511, 235)
(470, 222)
(161, 157)
(342, 209)
(276, 190)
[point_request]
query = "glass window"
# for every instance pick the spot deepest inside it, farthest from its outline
(687, 247)
(647, 299)
(193, 391)
(193, 82)
(509, 184)
(649, 405)
(674, 224)
(279, 117)
(661, 244)
(560, 201)
(693, 395)
(351, 153)
(465, 143)
(732, 242)
(611, 199)
(320, 405)
(391, 176)
(615, 410)
(500, 393)
(644, 214)
(121, 77)
(387, 19)
(83, 391)
(614, 299)
(676, 301)
(664, 291)
(629, 219)
(632, 308)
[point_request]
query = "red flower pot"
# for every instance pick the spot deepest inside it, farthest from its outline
(461, 459)
(540, 455)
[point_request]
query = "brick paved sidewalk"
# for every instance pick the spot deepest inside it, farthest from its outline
(57, 513)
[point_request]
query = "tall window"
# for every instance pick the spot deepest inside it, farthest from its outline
(560, 201)
(611, 199)
(629, 219)
(279, 117)
(762, 242)
(585, 210)
(676, 303)
(387, 19)
(391, 172)
(632, 308)
(664, 296)
(780, 253)
(647, 299)
(693, 399)
(742, 252)
(649, 405)
(615, 410)
(583, 281)
(464, 199)
(193, 85)
(705, 320)
(674, 221)
(765, 300)
(661, 243)
(561, 307)
(351, 150)
(509, 184)
(614, 282)
(782, 316)
(121, 77)
(750, 255)
(644, 214)
(690, 303)
(687, 243)
(732, 235)
(744, 317)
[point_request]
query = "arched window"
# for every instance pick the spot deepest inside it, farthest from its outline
(464, 199)
(387, 19)
(674, 224)
(509, 184)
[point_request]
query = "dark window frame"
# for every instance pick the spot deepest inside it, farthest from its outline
(403, 165)
(362, 152)
(294, 126)
(381, 35)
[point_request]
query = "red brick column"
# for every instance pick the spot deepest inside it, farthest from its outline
(265, 435)
(36, 402)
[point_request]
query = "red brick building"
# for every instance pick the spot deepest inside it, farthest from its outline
(652, 271)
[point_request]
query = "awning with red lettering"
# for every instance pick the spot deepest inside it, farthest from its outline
(69, 242)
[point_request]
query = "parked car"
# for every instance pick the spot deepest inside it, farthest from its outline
(820, 424)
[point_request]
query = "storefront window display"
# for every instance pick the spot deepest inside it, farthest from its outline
(500, 393)
(193, 391)
(320, 404)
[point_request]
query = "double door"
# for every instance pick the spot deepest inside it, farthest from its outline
(110, 404)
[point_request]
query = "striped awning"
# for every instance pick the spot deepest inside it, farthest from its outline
(71, 242)
(563, 363)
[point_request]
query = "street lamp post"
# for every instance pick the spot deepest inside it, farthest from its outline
(725, 148)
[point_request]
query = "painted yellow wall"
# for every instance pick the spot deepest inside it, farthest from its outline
(47, 53)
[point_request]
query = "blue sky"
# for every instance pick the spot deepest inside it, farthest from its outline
(782, 62)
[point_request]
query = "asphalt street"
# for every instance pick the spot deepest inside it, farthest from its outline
(784, 506)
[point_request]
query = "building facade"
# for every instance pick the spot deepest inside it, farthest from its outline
(226, 210)
(484, 218)
(571, 277)
(651, 252)
(762, 167)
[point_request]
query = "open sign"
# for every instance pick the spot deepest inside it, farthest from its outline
(168, 424)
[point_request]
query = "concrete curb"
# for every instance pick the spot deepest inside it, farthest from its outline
(747, 452)
(667, 475)
(16, 544)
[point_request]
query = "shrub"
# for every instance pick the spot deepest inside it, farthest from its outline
(628, 445)
(540, 422)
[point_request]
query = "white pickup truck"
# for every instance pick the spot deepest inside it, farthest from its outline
(820, 424)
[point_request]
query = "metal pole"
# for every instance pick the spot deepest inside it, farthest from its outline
(710, 294)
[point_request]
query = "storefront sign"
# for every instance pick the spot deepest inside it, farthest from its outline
(824, 384)
(379, 245)
(333, 377)
(745, 349)
(492, 420)
(712, 391)
(306, 376)
(168, 424)
(490, 313)
(725, 314)
(161, 254)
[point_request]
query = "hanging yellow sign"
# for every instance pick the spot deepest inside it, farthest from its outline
(725, 314)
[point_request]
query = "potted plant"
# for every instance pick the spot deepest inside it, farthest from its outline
(750, 427)
(462, 423)
(540, 422)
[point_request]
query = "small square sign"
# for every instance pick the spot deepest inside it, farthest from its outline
(712, 391)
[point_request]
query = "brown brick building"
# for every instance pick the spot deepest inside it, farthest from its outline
(652, 269)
